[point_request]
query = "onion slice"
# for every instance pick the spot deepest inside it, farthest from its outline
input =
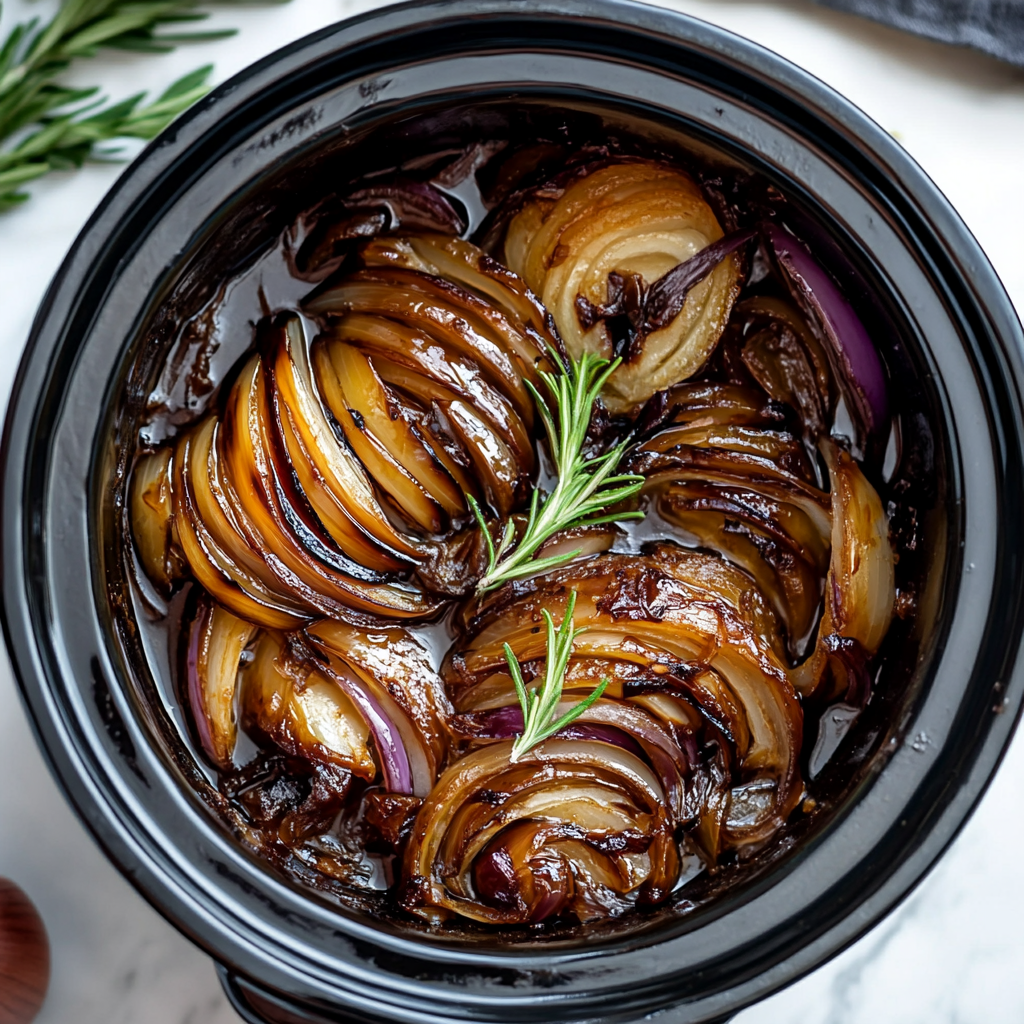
(302, 710)
(851, 346)
(216, 642)
(860, 590)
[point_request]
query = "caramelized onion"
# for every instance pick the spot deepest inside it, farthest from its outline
(851, 346)
(637, 220)
(576, 827)
(364, 701)
(787, 360)
(747, 491)
(303, 711)
(216, 642)
(283, 521)
(671, 624)
(389, 676)
(397, 205)
(327, 496)
(424, 363)
(152, 518)
(860, 590)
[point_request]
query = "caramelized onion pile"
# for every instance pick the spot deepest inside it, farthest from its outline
(367, 702)
(334, 481)
(637, 220)
(699, 729)
(321, 507)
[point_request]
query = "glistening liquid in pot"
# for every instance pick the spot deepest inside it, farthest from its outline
(328, 657)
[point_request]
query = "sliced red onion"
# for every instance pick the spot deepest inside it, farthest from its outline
(493, 724)
(412, 205)
(852, 348)
(603, 734)
(394, 758)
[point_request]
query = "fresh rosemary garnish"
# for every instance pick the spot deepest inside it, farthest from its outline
(539, 705)
(585, 487)
(45, 126)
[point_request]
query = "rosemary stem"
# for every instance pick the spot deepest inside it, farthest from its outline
(584, 488)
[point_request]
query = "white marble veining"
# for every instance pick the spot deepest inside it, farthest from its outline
(951, 954)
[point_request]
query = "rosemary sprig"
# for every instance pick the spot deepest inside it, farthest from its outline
(539, 705)
(46, 126)
(585, 488)
(68, 141)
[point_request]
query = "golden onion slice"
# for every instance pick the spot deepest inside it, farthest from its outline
(358, 402)
(860, 590)
(629, 218)
(332, 479)
(464, 263)
(389, 677)
(455, 317)
(216, 642)
(152, 517)
(277, 523)
(301, 710)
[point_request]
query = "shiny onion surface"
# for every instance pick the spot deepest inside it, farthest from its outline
(334, 479)
(638, 220)
(577, 826)
(349, 691)
(681, 637)
(367, 701)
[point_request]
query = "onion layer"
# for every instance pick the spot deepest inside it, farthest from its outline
(860, 590)
(577, 826)
(422, 367)
(693, 684)
(747, 491)
(388, 675)
(216, 642)
(637, 220)
(303, 711)
(855, 356)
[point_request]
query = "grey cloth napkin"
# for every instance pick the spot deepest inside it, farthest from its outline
(995, 26)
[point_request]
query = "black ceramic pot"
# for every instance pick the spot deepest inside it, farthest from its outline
(212, 183)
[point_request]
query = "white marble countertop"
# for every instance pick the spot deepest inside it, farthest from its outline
(951, 953)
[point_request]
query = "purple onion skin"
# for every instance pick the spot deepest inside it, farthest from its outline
(498, 723)
(851, 345)
(394, 758)
(602, 734)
